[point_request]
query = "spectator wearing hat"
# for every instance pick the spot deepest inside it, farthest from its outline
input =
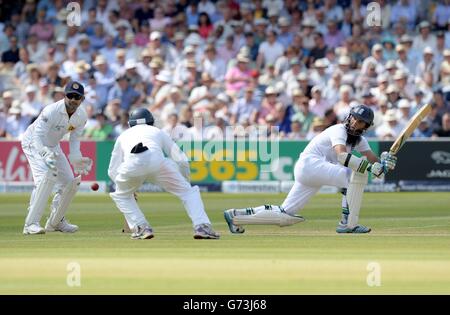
(425, 38)
(176, 101)
(201, 97)
(405, 88)
(403, 62)
(33, 77)
(238, 33)
(212, 64)
(269, 50)
(125, 92)
(375, 58)
(427, 64)
(404, 112)
(282, 64)
(391, 127)
(268, 77)
(57, 94)
(104, 79)
(81, 72)
(239, 76)
(84, 49)
(317, 126)
(118, 67)
(6, 102)
(295, 68)
(270, 105)
(43, 95)
(16, 124)
(161, 91)
(260, 30)
(319, 74)
(318, 104)
(404, 10)
(245, 109)
(342, 106)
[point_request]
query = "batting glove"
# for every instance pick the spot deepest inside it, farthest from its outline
(377, 169)
(82, 165)
(388, 160)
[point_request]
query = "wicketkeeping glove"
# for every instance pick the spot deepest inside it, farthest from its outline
(81, 165)
(388, 160)
(49, 158)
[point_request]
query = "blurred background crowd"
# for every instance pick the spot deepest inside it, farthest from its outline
(204, 66)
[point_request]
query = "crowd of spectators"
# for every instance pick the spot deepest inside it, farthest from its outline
(205, 66)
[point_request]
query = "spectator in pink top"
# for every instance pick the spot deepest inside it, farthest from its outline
(238, 77)
(42, 29)
(334, 37)
(318, 105)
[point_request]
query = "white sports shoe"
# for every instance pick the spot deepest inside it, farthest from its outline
(34, 228)
(205, 231)
(63, 226)
(142, 232)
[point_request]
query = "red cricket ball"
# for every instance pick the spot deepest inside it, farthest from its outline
(94, 186)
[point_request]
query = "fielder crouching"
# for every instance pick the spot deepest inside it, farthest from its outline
(137, 157)
(48, 163)
(327, 160)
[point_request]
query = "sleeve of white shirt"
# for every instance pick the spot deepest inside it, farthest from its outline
(363, 145)
(171, 149)
(338, 136)
(74, 139)
(116, 160)
(42, 128)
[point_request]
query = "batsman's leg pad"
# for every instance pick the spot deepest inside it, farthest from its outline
(62, 202)
(40, 197)
(270, 217)
(355, 192)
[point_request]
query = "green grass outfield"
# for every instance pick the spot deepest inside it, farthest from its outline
(410, 242)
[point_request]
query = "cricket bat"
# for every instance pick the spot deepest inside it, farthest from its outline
(409, 128)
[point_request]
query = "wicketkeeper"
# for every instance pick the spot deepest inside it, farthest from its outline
(49, 165)
(327, 160)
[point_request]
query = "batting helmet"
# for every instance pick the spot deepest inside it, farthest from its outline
(360, 112)
(140, 116)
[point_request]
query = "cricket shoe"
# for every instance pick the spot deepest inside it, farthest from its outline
(34, 228)
(142, 232)
(359, 229)
(205, 231)
(229, 215)
(63, 226)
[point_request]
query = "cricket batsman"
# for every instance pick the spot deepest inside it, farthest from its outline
(138, 157)
(48, 163)
(326, 160)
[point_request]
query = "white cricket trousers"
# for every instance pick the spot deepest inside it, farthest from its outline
(311, 173)
(159, 171)
(39, 171)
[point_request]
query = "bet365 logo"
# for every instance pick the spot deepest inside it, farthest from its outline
(74, 15)
(373, 16)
